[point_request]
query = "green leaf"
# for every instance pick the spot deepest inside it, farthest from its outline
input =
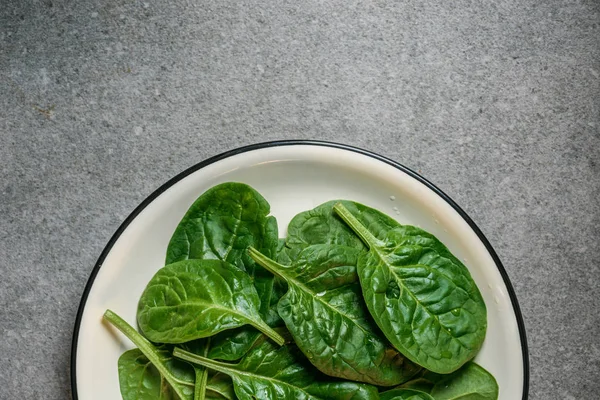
(404, 394)
(325, 313)
(271, 372)
(194, 299)
(149, 372)
(221, 224)
(322, 226)
(471, 382)
(420, 295)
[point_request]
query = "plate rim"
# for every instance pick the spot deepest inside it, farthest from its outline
(297, 142)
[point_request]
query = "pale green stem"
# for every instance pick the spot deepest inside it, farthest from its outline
(203, 361)
(145, 347)
(269, 332)
(358, 228)
(272, 266)
(201, 376)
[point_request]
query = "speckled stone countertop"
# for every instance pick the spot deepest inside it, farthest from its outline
(496, 103)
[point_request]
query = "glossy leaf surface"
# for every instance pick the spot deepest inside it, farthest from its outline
(420, 295)
(194, 299)
(221, 224)
(271, 372)
(322, 226)
(471, 382)
(324, 311)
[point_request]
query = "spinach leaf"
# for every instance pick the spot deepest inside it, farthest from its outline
(322, 226)
(271, 372)
(325, 313)
(404, 394)
(193, 299)
(420, 295)
(148, 372)
(471, 382)
(221, 224)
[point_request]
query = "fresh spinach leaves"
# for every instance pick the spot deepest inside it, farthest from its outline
(420, 295)
(324, 311)
(272, 372)
(221, 224)
(363, 297)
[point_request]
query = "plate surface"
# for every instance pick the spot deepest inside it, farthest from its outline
(293, 176)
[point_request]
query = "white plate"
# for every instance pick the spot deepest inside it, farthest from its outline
(293, 176)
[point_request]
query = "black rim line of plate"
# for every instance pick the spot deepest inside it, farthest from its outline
(278, 143)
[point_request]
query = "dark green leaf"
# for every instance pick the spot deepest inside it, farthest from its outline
(420, 295)
(221, 224)
(404, 394)
(471, 382)
(193, 299)
(324, 311)
(271, 372)
(322, 226)
(149, 372)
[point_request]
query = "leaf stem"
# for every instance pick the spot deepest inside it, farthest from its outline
(203, 361)
(274, 268)
(269, 332)
(201, 380)
(201, 376)
(358, 228)
(145, 347)
(270, 265)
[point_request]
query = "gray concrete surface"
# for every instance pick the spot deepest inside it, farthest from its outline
(498, 103)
